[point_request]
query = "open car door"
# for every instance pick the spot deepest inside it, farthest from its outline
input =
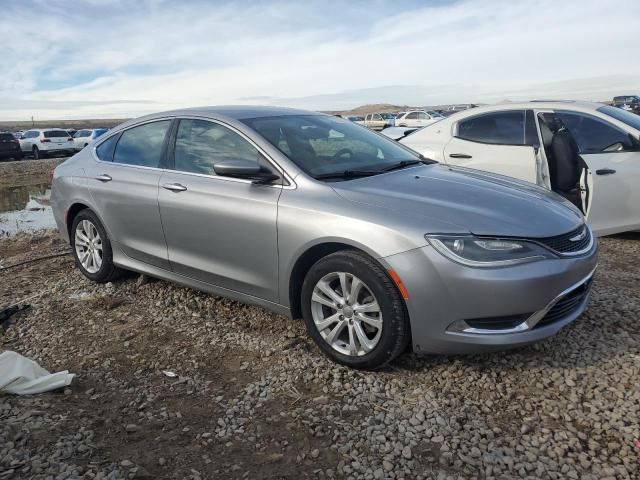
(612, 159)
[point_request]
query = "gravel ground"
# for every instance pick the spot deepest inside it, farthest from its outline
(252, 397)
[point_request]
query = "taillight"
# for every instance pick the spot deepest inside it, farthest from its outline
(45, 140)
(15, 141)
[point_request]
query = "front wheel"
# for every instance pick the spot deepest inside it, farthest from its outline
(353, 311)
(92, 248)
(37, 155)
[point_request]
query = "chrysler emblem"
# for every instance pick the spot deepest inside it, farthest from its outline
(579, 236)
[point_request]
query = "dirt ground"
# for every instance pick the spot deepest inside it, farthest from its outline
(247, 395)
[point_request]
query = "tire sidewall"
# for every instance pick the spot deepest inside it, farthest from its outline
(384, 296)
(106, 268)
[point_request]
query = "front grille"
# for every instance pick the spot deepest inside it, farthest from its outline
(567, 304)
(564, 244)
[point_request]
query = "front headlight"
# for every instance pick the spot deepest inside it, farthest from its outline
(487, 252)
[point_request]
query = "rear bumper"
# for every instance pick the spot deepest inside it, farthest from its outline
(444, 298)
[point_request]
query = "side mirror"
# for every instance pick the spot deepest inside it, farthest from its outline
(244, 169)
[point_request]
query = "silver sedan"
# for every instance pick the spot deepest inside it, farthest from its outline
(377, 248)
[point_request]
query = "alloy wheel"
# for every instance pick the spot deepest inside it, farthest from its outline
(346, 313)
(88, 245)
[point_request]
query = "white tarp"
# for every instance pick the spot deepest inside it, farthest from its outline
(22, 376)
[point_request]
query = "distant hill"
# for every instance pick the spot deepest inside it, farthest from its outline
(377, 107)
(75, 124)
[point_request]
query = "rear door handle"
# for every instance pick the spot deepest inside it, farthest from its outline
(605, 171)
(459, 155)
(104, 178)
(174, 187)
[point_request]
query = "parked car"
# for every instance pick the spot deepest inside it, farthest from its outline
(43, 142)
(310, 215)
(378, 121)
(418, 118)
(9, 147)
(84, 137)
(457, 108)
(586, 152)
(628, 102)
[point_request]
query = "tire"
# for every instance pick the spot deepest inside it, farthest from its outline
(377, 289)
(36, 153)
(84, 223)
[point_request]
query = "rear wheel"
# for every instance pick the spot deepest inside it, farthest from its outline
(92, 248)
(353, 311)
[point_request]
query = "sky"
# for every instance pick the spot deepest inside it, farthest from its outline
(123, 58)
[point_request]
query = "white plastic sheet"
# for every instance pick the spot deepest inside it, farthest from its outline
(22, 376)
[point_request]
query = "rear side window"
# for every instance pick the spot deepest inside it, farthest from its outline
(500, 128)
(106, 148)
(142, 146)
(201, 144)
(596, 136)
(55, 134)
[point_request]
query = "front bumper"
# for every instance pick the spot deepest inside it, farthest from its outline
(449, 302)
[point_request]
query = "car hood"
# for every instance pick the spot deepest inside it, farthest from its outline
(478, 202)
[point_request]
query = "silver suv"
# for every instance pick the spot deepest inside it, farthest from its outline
(313, 216)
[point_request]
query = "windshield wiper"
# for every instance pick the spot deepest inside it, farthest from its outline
(401, 164)
(347, 174)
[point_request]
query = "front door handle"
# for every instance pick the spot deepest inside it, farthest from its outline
(174, 187)
(104, 178)
(459, 155)
(605, 171)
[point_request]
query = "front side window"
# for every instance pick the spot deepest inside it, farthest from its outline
(201, 144)
(142, 145)
(500, 128)
(324, 145)
(594, 135)
(629, 118)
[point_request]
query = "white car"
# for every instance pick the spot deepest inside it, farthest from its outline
(378, 121)
(42, 142)
(84, 137)
(588, 153)
(418, 118)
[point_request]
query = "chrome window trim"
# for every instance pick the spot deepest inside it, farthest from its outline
(292, 185)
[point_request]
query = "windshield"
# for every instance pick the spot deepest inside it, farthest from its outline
(629, 118)
(324, 145)
(435, 114)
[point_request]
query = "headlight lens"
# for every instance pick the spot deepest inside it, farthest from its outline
(487, 252)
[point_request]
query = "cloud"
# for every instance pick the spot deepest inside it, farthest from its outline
(121, 58)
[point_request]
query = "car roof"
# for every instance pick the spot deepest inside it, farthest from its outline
(535, 105)
(224, 112)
